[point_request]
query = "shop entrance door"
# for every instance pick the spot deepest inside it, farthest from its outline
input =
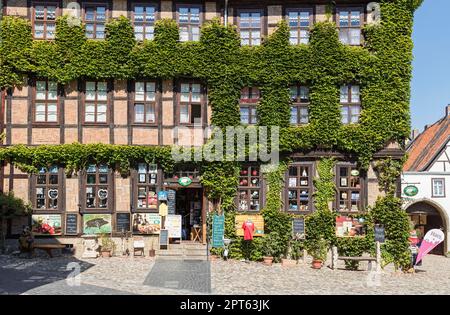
(189, 204)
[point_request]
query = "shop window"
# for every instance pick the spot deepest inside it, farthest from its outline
(299, 21)
(189, 21)
(97, 186)
(46, 102)
(44, 20)
(300, 103)
(145, 102)
(349, 184)
(350, 99)
(350, 22)
(250, 25)
(438, 187)
(143, 17)
(190, 103)
(146, 186)
(299, 188)
(96, 102)
(47, 188)
(249, 192)
(95, 19)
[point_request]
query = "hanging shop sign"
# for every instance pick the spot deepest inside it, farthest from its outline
(349, 227)
(162, 195)
(218, 230)
(298, 228)
(411, 191)
(97, 223)
(185, 181)
(432, 239)
(53, 194)
(46, 224)
(173, 225)
(146, 223)
(257, 219)
(354, 173)
(102, 194)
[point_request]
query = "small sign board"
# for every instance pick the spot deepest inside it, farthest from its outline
(164, 238)
(298, 228)
(123, 222)
(218, 230)
(171, 202)
(162, 195)
(379, 233)
(173, 224)
(71, 224)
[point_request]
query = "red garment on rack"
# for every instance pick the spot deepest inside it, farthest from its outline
(249, 228)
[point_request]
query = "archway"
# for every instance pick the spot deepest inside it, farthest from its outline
(427, 215)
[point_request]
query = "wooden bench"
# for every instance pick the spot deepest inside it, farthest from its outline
(47, 248)
(335, 258)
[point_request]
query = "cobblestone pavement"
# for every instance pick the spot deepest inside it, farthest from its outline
(128, 276)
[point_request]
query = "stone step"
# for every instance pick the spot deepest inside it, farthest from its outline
(201, 258)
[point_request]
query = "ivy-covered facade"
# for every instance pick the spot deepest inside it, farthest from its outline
(91, 102)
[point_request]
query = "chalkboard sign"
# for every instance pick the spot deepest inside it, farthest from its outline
(218, 230)
(379, 233)
(123, 222)
(164, 238)
(298, 228)
(71, 224)
(171, 202)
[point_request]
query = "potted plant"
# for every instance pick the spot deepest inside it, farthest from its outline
(270, 247)
(152, 252)
(107, 246)
(293, 254)
(318, 250)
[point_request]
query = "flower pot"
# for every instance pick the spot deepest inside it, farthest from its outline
(213, 257)
(288, 262)
(106, 253)
(268, 260)
(317, 264)
(151, 253)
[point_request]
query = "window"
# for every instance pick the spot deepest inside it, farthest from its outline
(249, 99)
(47, 188)
(145, 102)
(97, 184)
(95, 18)
(143, 17)
(300, 102)
(349, 188)
(300, 21)
(438, 187)
(190, 107)
(189, 23)
(350, 22)
(147, 180)
(250, 28)
(350, 104)
(96, 102)
(299, 188)
(44, 19)
(249, 192)
(46, 102)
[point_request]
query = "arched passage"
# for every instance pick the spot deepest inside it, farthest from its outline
(427, 215)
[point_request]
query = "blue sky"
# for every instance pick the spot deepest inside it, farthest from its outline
(430, 89)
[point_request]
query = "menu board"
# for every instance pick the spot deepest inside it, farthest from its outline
(123, 222)
(298, 228)
(164, 238)
(379, 233)
(257, 219)
(218, 230)
(71, 224)
(171, 201)
(173, 224)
